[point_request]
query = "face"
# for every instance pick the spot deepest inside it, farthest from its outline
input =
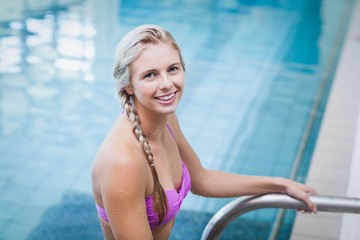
(157, 79)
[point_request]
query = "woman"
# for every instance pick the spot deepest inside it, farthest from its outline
(145, 167)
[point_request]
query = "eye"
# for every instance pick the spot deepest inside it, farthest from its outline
(173, 69)
(149, 75)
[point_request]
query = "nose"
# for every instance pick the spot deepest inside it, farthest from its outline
(165, 82)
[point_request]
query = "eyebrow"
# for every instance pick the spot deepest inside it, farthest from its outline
(177, 63)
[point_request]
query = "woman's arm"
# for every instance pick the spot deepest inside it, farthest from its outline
(123, 184)
(221, 184)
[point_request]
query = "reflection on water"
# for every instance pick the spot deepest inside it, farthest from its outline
(47, 58)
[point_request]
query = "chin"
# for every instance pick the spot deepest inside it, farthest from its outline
(167, 111)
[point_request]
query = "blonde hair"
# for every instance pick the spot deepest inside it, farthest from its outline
(126, 52)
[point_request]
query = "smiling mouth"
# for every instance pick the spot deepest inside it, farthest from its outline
(166, 98)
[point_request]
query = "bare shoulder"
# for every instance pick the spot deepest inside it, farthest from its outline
(120, 178)
(119, 160)
(120, 154)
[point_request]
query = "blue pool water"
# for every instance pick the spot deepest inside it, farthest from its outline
(255, 71)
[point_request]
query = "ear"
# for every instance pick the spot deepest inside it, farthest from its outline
(129, 90)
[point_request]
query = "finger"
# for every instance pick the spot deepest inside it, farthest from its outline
(304, 196)
(308, 189)
(311, 205)
(311, 191)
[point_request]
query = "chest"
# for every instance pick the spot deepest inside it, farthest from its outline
(168, 163)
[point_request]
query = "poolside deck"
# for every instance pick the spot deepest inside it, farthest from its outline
(335, 166)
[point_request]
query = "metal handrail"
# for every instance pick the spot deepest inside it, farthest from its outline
(243, 205)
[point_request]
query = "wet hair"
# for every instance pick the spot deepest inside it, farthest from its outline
(127, 51)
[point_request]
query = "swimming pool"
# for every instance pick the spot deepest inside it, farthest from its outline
(255, 69)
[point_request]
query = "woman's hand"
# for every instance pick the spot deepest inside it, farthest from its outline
(301, 192)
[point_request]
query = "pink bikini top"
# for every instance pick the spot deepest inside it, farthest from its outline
(174, 198)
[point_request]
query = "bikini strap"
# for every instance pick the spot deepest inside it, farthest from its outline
(172, 134)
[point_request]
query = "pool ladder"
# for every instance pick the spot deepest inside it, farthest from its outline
(243, 205)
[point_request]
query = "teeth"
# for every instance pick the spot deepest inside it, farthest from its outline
(166, 98)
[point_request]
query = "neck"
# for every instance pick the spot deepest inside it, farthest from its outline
(153, 125)
(154, 129)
